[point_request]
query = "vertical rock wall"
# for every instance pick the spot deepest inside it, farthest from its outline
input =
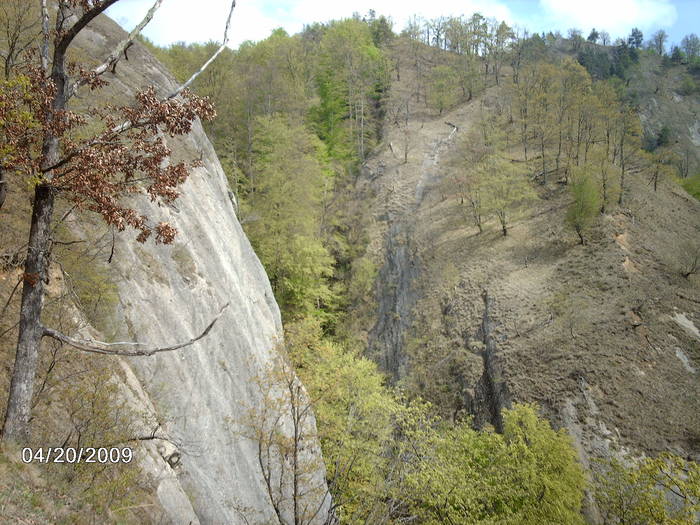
(168, 294)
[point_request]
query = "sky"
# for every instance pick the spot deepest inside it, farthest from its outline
(203, 20)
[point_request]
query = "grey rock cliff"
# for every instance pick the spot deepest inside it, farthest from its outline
(168, 294)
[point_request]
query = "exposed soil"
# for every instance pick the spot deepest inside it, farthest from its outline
(601, 335)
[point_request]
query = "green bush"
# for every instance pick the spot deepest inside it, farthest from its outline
(529, 474)
(692, 185)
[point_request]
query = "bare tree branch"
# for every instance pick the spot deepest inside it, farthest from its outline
(116, 54)
(213, 57)
(99, 347)
(114, 58)
(45, 33)
(87, 17)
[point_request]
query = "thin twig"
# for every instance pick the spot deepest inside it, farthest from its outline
(4, 308)
(99, 347)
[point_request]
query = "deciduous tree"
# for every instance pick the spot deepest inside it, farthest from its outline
(94, 171)
(586, 203)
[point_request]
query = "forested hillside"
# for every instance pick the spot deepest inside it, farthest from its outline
(484, 247)
(375, 173)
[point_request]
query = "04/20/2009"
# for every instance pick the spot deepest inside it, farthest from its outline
(77, 455)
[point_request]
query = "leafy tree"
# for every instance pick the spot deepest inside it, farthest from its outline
(606, 174)
(355, 415)
(576, 38)
(281, 426)
(529, 474)
(597, 63)
(691, 46)
(20, 23)
(658, 41)
(442, 88)
(665, 489)
(18, 125)
(627, 130)
(677, 55)
(541, 79)
(382, 33)
(468, 181)
(504, 190)
(624, 56)
(92, 160)
(636, 38)
(586, 203)
(593, 36)
(498, 41)
(660, 165)
(351, 78)
(468, 75)
(282, 217)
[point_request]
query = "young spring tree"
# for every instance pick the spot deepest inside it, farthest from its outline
(691, 46)
(442, 90)
(503, 189)
(96, 171)
(586, 203)
(283, 430)
(283, 216)
(658, 41)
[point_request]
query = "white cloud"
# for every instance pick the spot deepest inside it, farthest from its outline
(202, 20)
(615, 16)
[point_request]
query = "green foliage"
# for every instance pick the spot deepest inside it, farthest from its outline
(381, 28)
(504, 191)
(352, 78)
(354, 415)
(283, 214)
(380, 450)
(16, 118)
(692, 185)
(689, 86)
(663, 490)
(597, 63)
(624, 57)
(88, 280)
(586, 204)
(530, 474)
(443, 85)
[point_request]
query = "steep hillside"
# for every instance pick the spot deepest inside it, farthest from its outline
(668, 97)
(602, 336)
(189, 406)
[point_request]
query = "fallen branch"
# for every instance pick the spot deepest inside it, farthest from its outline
(99, 347)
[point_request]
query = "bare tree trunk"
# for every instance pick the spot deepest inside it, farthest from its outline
(16, 424)
(544, 165)
(622, 168)
(36, 268)
(3, 187)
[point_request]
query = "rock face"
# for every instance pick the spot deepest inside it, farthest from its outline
(168, 294)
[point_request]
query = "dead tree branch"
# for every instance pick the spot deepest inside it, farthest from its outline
(212, 58)
(99, 347)
(116, 54)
